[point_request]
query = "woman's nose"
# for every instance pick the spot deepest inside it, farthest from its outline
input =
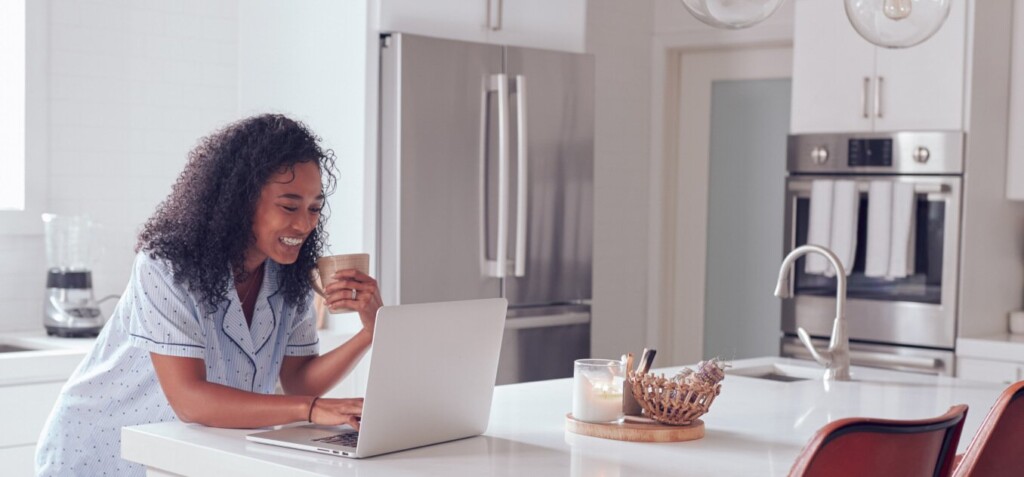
(304, 223)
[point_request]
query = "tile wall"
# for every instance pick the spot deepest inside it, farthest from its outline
(132, 86)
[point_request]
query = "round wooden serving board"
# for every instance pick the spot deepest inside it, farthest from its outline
(635, 429)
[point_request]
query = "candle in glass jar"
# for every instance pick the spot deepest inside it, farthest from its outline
(597, 392)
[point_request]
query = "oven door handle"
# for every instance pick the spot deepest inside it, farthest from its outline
(877, 359)
(804, 186)
(864, 358)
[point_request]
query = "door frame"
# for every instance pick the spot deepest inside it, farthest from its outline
(677, 260)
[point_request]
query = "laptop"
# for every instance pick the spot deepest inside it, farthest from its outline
(431, 378)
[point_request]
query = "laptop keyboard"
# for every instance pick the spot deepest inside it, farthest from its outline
(348, 439)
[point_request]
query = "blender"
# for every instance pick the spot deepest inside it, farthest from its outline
(70, 308)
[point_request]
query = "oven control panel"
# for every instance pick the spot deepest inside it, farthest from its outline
(869, 152)
(919, 152)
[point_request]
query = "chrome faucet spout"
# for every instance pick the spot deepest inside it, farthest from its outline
(837, 358)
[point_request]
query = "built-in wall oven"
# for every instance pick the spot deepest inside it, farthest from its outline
(907, 322)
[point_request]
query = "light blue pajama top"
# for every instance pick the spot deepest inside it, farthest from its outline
(116, 386)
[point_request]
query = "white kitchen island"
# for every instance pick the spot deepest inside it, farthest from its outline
(755, 427)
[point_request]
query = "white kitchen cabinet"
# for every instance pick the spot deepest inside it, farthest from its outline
(843, 83)
(25, 409)
(455, 19)
(557, 25)
(27, 406)
(18, 461)
(989, 370)
(997, 358)
(544, 24)
(30, 383)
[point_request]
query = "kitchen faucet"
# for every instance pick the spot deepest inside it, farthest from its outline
(837, 359)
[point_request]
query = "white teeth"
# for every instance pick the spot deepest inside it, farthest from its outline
(291, 242)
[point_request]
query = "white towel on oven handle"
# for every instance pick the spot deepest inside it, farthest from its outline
(845, 202)
(904, 213)
(879, 231)
(819, 226)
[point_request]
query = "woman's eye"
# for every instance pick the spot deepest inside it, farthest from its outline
(316, 210)
(289, 209)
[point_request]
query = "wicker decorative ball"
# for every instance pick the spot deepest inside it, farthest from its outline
(669, 401)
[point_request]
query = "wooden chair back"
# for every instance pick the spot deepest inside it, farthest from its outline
(861, 446)
(998, 447)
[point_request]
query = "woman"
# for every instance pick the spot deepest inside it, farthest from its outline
(219, 306)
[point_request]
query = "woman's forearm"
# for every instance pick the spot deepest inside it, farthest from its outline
(320, 374)
(217, 405)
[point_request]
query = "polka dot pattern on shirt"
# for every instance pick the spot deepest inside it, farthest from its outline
(116, 386)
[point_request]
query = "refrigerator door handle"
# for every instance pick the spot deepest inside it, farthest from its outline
(522, 143)
(499, 266)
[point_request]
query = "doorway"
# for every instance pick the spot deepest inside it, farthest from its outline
(723, 217)
(749, 123)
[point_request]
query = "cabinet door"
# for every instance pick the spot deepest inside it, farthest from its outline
(544, 24)
(833, 69)
(32, 403)
(453, 19)
(18, 460)
(988, 370)
(922, 87)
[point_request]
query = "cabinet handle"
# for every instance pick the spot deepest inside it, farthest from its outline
(878, 96)
(494, 15)
(864, 96)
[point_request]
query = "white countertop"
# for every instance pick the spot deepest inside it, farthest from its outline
(48, 359)
(999, 346)
(39, 340)
(51, 358)
(755, 427)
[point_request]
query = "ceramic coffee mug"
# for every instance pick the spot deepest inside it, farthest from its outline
(329, 265)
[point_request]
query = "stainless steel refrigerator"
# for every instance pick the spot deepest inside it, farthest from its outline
(486, 190)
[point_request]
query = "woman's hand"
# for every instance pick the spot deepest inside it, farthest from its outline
(335, 412)
(358, 291)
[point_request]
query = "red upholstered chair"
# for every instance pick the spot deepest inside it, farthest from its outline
(998, 447)
(861, 446)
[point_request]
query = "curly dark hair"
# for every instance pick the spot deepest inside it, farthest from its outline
(205, 226)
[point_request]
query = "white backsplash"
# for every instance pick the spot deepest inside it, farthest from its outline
(132, 86)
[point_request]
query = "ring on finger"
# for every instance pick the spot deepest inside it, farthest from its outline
(354, 293)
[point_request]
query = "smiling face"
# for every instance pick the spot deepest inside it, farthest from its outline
(287, 211)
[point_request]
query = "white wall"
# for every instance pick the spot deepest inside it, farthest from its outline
(132, 85)
(677, 248)
(992, 237)
(309, 60)
(745, 189)
(672, 19)
(619, 35)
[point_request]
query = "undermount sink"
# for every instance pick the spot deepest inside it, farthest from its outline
(778, 372)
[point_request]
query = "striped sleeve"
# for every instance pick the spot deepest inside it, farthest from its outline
(302, 339)
(163, 321)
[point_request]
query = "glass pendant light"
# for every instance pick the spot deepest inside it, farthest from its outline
(897, 23)
(731, 14)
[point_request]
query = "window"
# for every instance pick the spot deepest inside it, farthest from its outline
(12, 107)
(24, 127)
